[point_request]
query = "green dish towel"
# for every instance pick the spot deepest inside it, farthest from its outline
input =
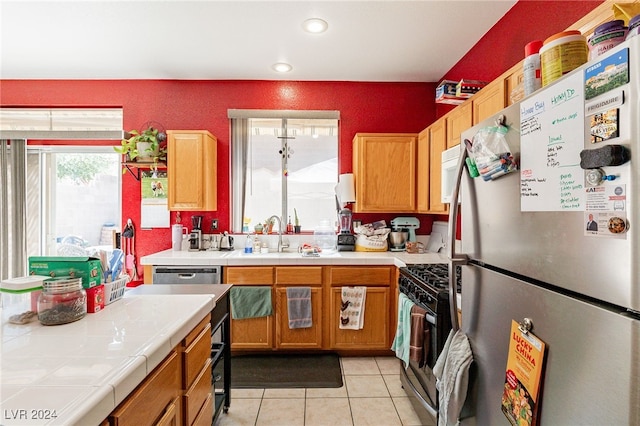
(402, 342)
(251, 302)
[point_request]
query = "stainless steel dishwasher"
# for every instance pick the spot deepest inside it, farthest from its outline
(187, 274)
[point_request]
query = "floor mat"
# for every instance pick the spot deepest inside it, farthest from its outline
(286, 371)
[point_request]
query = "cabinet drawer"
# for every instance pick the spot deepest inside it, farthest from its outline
(307, 275)
(206, 414)
(147, 403)
(193, 334)
(365, 275)
(195, 356)
(249, 275)
(196, 396)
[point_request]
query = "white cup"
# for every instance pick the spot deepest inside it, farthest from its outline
(179, 233)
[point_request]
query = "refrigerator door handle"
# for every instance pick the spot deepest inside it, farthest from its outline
(455, 259)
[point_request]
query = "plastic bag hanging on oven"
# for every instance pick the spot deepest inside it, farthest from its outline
(491, 153)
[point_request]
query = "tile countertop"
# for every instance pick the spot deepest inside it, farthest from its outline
(81, 371)
(239, 258)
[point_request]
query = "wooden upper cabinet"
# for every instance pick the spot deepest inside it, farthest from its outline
(423, 172)
(489, 101)
(438, 141)
(384, 167)
(191, 170)
(458, 120)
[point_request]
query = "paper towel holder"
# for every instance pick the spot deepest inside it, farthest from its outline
(345, 189)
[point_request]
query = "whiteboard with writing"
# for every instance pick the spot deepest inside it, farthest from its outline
(551, 137)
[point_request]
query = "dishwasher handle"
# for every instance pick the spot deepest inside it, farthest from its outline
(186, 276)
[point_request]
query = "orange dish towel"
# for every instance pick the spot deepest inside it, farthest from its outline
(299, 307)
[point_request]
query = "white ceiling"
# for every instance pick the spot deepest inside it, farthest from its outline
(417, 41)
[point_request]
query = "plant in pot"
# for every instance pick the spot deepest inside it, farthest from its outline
(148, 146)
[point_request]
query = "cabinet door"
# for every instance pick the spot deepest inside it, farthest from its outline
(250, 333)
(374, 334)
(384, 168)
(298, 338)
(488, 101)
(437, 143)
(423, 172)
(458, 120)
(191, 170)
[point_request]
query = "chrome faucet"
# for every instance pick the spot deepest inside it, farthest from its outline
(280, 245)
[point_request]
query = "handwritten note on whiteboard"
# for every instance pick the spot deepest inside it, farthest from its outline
(551, 137)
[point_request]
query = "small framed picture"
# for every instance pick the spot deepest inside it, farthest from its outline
(604, 125)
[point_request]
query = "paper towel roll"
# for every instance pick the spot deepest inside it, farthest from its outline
(345, 190)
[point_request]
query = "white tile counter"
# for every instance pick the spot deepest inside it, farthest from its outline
(239, 258)
(81, 371)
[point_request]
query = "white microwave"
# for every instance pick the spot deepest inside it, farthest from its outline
(449, 167)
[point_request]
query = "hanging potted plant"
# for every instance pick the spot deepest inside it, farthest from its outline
(145, 146)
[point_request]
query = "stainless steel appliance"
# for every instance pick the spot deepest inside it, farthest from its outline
(527, 252)
(398, 240)
(195, 237)
(187, 274)
(427, 285)
(226, 241)
(346, 241)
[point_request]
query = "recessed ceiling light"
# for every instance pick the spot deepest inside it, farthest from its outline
(315, 25)
(281, 67)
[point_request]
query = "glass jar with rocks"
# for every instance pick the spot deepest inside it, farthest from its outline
(62, 301)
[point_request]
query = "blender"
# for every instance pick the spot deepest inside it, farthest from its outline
(195, 237)
(346, 239)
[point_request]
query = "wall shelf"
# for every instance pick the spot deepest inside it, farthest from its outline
(131, 165)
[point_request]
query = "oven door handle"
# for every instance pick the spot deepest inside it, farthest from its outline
(430, 319)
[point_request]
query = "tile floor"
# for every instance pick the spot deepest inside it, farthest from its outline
(371, 395)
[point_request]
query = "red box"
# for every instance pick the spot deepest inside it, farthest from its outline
(95, 299)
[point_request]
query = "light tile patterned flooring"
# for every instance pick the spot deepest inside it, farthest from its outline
(371, 395)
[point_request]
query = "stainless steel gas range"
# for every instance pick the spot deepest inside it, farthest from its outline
(426, 285)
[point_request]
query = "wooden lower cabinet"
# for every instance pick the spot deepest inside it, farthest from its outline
(298, 338)
(196, 372)
(155, 399)
(178, 391)
(273, 332)
(375, 332)
(251, 333)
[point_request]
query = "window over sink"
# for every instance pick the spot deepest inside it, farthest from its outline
(281, 161)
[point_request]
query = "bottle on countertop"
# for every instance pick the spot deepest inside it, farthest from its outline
(531, 67)
(289, 226)
(248, 246)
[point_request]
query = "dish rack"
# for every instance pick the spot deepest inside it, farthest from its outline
(115, 289)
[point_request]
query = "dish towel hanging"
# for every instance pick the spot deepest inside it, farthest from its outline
(402, 342)
(352, 308)
(452, 377)
(251, 301)
(420, 336)
(299, 307)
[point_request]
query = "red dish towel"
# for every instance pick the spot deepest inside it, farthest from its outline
(420, 335)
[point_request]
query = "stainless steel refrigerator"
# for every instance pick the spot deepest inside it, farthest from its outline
(528, 250)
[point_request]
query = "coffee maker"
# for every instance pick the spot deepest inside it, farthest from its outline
(195, 237)
(346, 240)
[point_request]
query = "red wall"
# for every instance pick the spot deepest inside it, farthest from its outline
(503, 45)
(364, 107)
